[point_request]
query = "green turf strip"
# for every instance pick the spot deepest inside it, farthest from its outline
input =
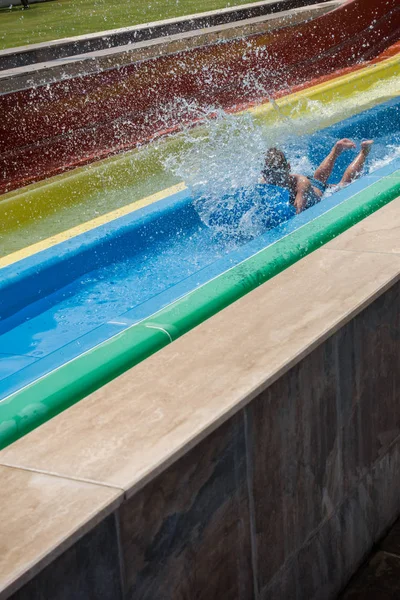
(41, 400)
(67, 18)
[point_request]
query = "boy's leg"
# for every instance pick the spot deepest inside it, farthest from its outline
(355, 168)
(325, 168)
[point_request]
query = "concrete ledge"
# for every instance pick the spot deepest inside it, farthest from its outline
(257, 456)
(48, 51)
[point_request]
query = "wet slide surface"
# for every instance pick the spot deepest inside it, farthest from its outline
(119, 274)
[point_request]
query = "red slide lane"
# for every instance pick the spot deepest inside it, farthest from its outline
(53, 128)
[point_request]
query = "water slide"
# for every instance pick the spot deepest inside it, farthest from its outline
(134, 271)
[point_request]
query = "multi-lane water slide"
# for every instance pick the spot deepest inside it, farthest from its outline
(81, 305)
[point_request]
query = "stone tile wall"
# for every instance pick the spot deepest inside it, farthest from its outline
(89, 569)
(282, 501)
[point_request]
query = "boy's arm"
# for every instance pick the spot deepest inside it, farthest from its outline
(302, 189)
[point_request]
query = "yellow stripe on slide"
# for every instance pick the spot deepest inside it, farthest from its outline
(89, 225)
(297, 105)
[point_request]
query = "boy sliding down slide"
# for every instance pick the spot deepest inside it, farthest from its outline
(305, 191)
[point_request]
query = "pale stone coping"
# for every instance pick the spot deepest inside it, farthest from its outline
(20, 78)
(379, 233)
(109, 445)
(42, 516)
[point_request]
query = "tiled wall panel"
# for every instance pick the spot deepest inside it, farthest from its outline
(283, 501)
(187, 534)
(89, 570)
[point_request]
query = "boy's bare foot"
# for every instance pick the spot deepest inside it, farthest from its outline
(345, 144)
(366, 146)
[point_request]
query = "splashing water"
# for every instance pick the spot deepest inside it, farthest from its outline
(391, 152)
(221, 162)
(253, 83)
(225, 159)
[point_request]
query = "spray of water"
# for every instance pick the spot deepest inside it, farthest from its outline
(390, 152)
(221, 160)
(220, 164)
(253, 82)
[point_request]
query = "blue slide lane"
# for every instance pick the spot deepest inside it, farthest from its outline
(61, 302)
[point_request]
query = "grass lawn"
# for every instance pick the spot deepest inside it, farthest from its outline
(64, 18)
